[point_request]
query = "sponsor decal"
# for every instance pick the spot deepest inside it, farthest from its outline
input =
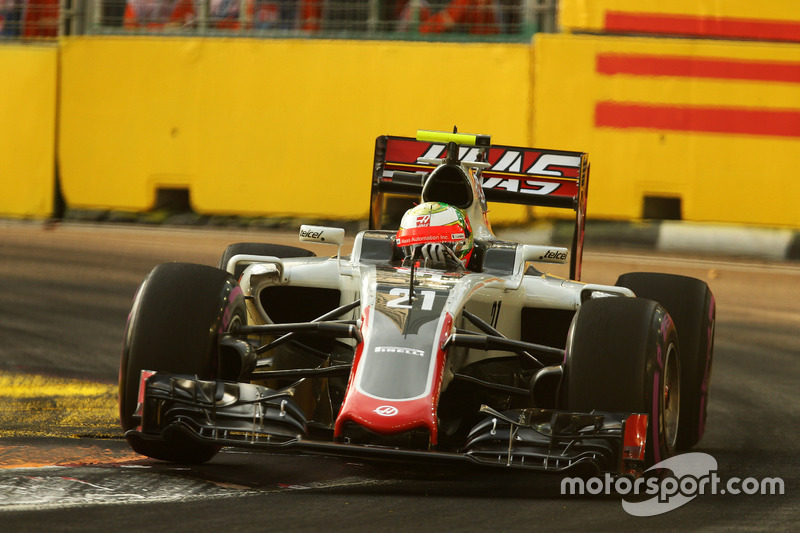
(502, 159)
(387, 410)
(523, 186)
(406, 240)
(310, 234)
(554, 254)
(423, 221)
(543, 164)
(511, 169)
(400, 350)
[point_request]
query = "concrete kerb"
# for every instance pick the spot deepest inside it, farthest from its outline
(778, 244)
(670, 236)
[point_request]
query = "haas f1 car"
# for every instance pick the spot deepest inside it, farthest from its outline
(386, 354)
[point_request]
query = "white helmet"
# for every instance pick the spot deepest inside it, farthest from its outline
(437, 222)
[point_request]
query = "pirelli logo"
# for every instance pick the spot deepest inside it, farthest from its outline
(400, 350)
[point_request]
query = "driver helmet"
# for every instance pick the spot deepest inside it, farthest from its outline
(436, 222)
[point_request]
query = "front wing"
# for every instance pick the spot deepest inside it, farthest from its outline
(252, 416)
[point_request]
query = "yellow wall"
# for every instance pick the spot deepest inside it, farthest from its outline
(268, 126)
(287, 127)
(27, 129)
(720, 176)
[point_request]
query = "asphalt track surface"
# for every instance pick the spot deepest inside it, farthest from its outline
(65, 292)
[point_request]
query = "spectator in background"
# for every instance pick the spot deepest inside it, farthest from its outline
(159, 14)
(277, 14)
(477, 17)
(336, 15)
(224, 14)
(10, 18)
(40, 19)
(512, 11)
(113, 13)
(310, 15)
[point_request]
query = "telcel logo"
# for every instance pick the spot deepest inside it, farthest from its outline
(554, 254)
(310, 234)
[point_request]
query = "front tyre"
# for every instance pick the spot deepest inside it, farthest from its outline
(691, 305)
(622, 356)
(174, 326)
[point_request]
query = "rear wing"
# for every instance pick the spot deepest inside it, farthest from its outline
(508, 174)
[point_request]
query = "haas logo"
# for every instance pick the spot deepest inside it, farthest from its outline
(387, 410)
(423, 221)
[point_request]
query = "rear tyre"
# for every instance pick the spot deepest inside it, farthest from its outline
(622, 356)
(174, 326)
(259, 248)
(691, 305)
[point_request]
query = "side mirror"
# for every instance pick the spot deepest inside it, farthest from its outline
(322, 234)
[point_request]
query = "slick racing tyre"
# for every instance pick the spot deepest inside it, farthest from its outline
(174, 326)
(691, 305)
(622, 357)
(259, 248)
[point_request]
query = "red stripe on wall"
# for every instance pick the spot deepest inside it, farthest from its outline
(773, 122)
(690, 25)
(697, 67)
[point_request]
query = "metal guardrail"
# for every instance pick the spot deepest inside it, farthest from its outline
(430, 20)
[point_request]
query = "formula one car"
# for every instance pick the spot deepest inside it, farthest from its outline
(387, 354)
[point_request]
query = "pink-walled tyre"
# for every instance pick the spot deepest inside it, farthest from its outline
(622, 357)
(691, 305)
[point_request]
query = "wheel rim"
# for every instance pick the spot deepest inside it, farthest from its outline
(671, 397)
(235, 322)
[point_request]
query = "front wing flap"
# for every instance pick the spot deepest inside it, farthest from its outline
(549, 439)
(223, 412)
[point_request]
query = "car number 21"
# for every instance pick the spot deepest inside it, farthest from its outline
(401, 301)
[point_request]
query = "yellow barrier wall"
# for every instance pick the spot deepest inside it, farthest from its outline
(27, 135)
(774, 20)
(287, 127)
(269, 126)
(715, 123)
